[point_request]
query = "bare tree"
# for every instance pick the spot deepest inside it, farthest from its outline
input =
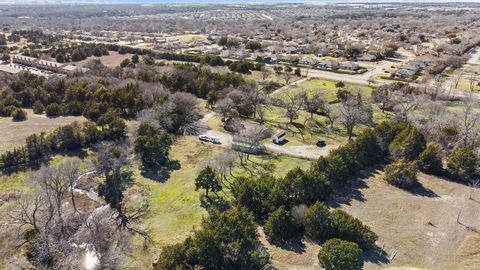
(404, 103)
(292, 103)
(354, 111)
(265, 73)
(313, 104)
(469, 123)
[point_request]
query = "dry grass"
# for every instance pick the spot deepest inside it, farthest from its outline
(421, 225)
(13, 134)
(112, 60)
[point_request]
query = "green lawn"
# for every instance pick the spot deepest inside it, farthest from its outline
(327, 88)
(174, 205)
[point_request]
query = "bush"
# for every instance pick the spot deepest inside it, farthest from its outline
(317, 222)
(351, 229)
(337, 254)
(280, 225)
(430, 160)
(408, 144)
(462, 163)
(53, 110)
(402, 174)
(19, 115)
(38, 107)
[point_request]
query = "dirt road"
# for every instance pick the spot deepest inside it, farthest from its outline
(311, 152)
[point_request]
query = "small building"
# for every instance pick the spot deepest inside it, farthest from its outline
(279, 137)
(349, 66)
(242, 144)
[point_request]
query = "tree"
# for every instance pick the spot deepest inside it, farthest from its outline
(462, 163)
(402, 174)
(381, 96)
(317, 222)
(222, 41)
(153, 148)
(278, 69)
(19, 115)
(354, 111)
(110, 161)
(254, 193)
(349, 228)
(337, 254)
(53, 110)
(340, 84)
(430, 160)
(280, 225)
(135, 59)
(265, 73)
(207, 179)
(468, 121)
(298, 72)
(408, 144)
(314, 103)
(292, 103)
(226, 240)
(38, 107)
(253, 45)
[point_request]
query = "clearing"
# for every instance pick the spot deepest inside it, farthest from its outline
(13, 134)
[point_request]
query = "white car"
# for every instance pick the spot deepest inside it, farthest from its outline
(204, 138)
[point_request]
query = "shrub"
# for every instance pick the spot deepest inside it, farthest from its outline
(430, 160)
(19, 115)
(38, 107)
(402, 174)
(462, 163)
(53, 110)
(338, 254)
(280, 225)
(351, 229)
(317, 222)
(408, 144)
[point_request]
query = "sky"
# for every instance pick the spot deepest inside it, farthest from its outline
(218, 1)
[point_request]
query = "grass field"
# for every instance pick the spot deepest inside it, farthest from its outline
(327, 88)
(13, 134)
(112, 60)
(175, 206)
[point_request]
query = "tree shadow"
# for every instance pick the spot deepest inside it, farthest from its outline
(376, 255)
(216, 202)
(352, 190)
(296, 244)
(163, 174)
(422, 191)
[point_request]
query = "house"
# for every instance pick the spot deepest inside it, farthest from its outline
(406, 71)
(24, 60)
(325, 64)
(367, 57)
(349, 66)
(49, 65)
(304, 48)
(308, 62)
(279, 137)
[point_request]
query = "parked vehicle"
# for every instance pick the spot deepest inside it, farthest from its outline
(204, 138)
(215, 140)
(321, 143)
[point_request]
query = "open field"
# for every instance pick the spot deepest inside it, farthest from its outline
(13, 134)
(175, 208)
(326, 88)
(112, 60)
(421, 225)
